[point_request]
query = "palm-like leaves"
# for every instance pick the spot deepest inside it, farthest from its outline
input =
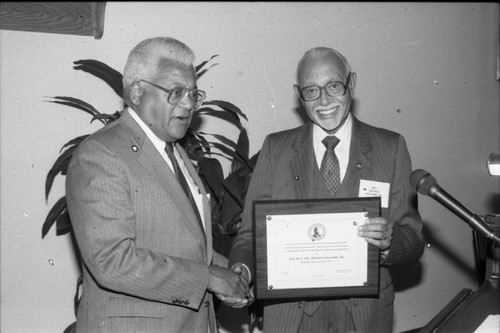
(227, 193)
(109, 75)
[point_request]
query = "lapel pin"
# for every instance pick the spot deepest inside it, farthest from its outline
(358, 165)
(296, 177)
(134, 148)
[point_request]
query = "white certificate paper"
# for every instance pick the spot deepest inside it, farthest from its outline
(316, 251)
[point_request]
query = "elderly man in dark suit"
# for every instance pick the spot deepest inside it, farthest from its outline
(148, 260)
(290, 166)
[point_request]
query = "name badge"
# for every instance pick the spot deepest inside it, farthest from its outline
(370, 188)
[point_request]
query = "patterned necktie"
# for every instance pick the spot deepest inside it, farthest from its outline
(330, 169)
(169, 149)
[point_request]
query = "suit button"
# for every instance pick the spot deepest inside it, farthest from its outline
(301, 305)
(186, 302)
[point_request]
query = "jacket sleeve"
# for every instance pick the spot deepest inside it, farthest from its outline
(259, 188)
(407, 242)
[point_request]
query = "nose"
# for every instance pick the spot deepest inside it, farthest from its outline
(324, 98)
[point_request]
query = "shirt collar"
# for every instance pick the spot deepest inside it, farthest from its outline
(343, 133)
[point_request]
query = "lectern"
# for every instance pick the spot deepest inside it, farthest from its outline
(469, 309)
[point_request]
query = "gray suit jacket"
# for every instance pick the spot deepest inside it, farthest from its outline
(145, 256)
(286, 169)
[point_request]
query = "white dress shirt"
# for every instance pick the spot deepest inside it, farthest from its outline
(160, 146)
(341, 150)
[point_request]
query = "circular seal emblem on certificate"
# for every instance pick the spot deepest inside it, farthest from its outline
(317, 231)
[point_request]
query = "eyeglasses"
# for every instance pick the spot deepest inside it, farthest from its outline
(177, 94)
(332, 89)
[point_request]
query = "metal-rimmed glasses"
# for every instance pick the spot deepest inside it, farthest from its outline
(177, 94)
(332, 89)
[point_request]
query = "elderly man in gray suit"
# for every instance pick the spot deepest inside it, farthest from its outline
(290, 166)
(148, 260)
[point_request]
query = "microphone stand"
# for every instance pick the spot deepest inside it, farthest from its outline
(493, 221)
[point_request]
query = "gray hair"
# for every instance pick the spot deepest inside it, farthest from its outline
(146, 58)
(320, 50)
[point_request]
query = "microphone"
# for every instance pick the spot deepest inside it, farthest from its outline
(424, 183)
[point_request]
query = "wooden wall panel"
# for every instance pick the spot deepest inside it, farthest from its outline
(75, 18)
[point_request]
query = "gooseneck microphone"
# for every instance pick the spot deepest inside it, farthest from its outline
(424, 183)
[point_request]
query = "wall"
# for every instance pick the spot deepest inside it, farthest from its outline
(426, 70)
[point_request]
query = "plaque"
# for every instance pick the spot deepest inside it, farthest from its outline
(310, 249)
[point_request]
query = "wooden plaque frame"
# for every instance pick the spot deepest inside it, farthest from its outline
(262, 209)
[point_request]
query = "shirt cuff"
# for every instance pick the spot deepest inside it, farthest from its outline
(248, 271)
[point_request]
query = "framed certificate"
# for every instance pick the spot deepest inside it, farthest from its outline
(311, 249)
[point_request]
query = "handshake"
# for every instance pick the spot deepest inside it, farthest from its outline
(231, 286)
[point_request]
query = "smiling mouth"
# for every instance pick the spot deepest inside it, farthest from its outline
(327, 112)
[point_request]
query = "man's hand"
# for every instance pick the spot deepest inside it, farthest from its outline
(242, 270)
(238, 302)
(228, 286)
(377, 231)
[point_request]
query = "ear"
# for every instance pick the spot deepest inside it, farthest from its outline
(135, 93)
(352, 82)
(296, 88)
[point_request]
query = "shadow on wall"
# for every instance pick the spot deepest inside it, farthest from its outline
(436, 243)
(406, 276)
(493, 204)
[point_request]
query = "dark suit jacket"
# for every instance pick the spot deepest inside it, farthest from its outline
(285, 170)
(145, 256)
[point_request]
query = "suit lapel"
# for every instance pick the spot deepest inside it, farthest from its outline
(359, 161)
(207, 212)
(153, 163)
(302, 162)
